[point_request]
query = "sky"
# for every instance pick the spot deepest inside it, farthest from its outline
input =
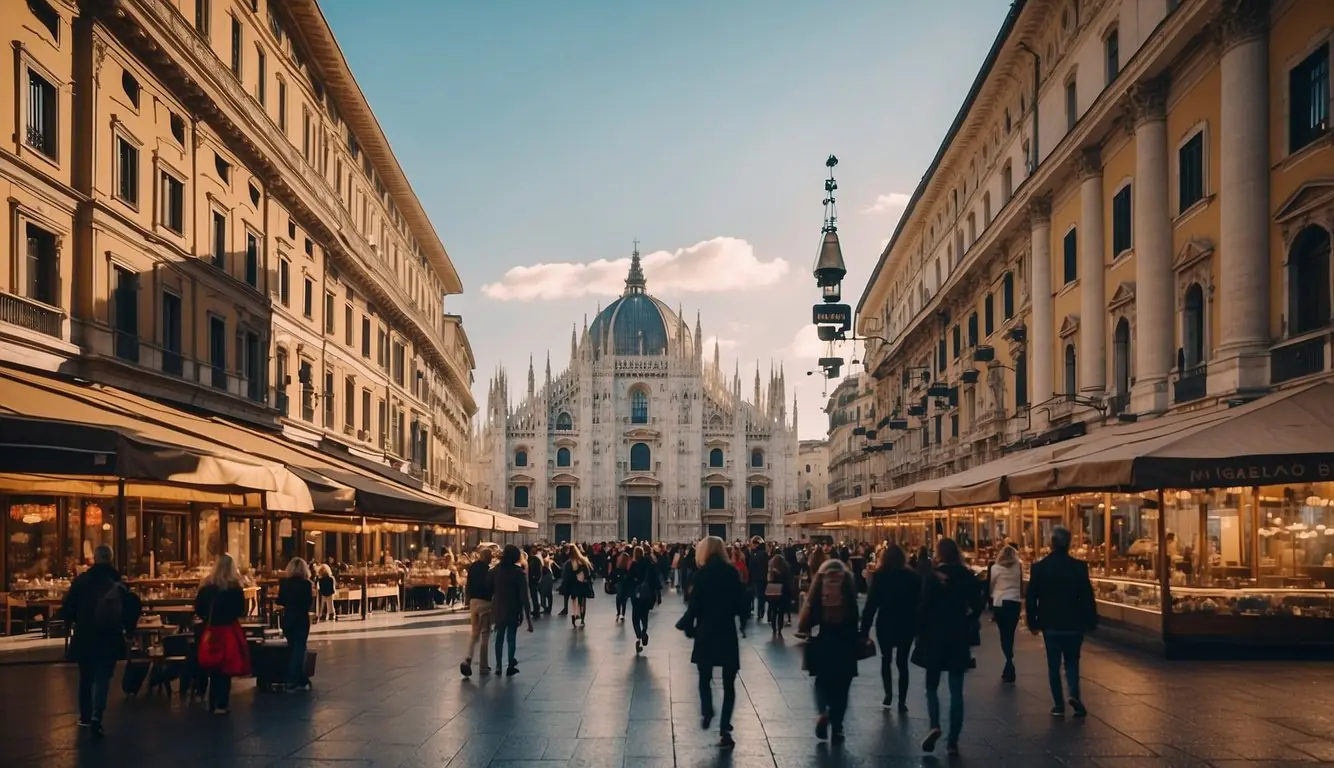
(543, 138)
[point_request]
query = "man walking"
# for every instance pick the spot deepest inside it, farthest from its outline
(478, 596)
(1060, 605)
(509, 606)
(757, 565)
(102, 612)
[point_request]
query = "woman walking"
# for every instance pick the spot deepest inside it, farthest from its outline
(891, 605)
(951, 602)
(1006, 586)
(578, 584)
(324, 581)
(221, 604)
(717, 599)
(643, 584)
(831, 609)
(509, 605)
(295, 595)
(778, 594)
(619, 583)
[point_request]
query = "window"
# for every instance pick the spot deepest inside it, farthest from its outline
(808, 469)
(329, 400)
(1122, 224)
(564, 498)
(310, 247)
(989, 314)
(1308, 99)
(1308, 281)
(365, 336)
(562, 457)
(1021, 380)
(942, 354)
(223, 168)
(1071, 372)
(1190, 172)
(521, 458)
(349, 403)
(252, 259)
(202, 17)
(348, 325)
(757, 459)
(178, 129)
(219, 240)
(564, 422)
(1121, 357)
(131, 87)
(308, 299)
(716, 457)
(329, 313)
(717, 497)
(1071, 105)
(305, 133)
(171, 334)
(757, 497)
(956, 336)
(972, 330)
(217, 350)
(42, 109)
(236, 46)
(986, 209)
(173, 203)
(808, 495)
(398, 363)
(43, 279)
(639, 407)
(520, 497)
(261, 73)
(127, 172)
(1007, 183)
(640, 457)
(972, 229)
(252, 367)
(285, 282)
(1192, 328)
(282, 105)
(366, 414)
(125, 314)
(1009, 123)
(381, 349)
(1070, 252)
(1007, 295)
(46, 16)
(1112, 52)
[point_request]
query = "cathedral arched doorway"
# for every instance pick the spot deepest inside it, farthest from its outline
(639, 518)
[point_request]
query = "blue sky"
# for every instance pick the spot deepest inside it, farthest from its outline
(555, 133)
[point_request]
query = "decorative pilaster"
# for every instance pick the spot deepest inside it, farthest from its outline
(1092, 276)
(1044, 322)
(1147, 107)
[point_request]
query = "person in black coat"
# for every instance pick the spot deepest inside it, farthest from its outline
(296, 596)
(102, 612)
(717, 598)
(1060, 605)
(952, 602)
(510, 605)
(643, 585)
(831, 655)
(757, 568)
(891, 605)
(220, 602)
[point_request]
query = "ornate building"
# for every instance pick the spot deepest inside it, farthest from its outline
(639, 437)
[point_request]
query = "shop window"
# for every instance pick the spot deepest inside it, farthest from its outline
(1122, 222)
(564, 497)
(1308, 99)
(563, 457)
(717, 497)
(1070, 254)
(1308, 281)
(639, 407)
(716, 457)
(640, 457)
(757, 459)
(521, 497)
(757, 497)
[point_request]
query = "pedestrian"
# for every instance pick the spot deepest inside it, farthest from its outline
(566, 565)
(545, 585)
(578, 584)
(778, 594)
(533, 569)
(1061, 606)
(618, 582)
(220, 604)
(327, 587)
(952, 600)
(295, 595)
(891, 606)
(829, 616)
(1005, 584)
(478, 597)
(644, 584)
(716, 601)
(509, 605)
(757, 567)
(102, 612)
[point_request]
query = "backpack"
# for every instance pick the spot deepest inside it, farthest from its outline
(109, 610)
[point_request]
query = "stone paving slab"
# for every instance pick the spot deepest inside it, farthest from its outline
(584, 699)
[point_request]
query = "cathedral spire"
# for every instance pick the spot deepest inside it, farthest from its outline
(548, 371)
(757, 384)
(634, 282)
(574, 343)
(532, 379)
(699, 338)
(717, 366)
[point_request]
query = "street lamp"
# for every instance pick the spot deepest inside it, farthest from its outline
(829, 267)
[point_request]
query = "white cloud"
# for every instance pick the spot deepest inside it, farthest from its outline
(894, 201)
(712, 266)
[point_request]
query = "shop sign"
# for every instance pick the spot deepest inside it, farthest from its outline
(1256, 470)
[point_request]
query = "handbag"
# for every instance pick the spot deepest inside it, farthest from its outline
(773, 589)
(608, 587)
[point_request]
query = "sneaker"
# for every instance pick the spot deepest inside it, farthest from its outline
(645, 639)
(1078, 707)
(887, 702)
(1058, 711)
(85, 723)
(705, 721)
(465, 668)
(837, 737)
(512, 670)
(822, 727)
(639, 646)
(725, 740)
(929, 743)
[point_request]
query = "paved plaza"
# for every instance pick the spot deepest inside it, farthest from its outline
(388, 698)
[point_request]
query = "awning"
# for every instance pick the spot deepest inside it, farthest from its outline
(54, 426)
(817, 516)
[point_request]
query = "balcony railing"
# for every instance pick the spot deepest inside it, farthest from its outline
(32, 315)
(1298, 359)
(1191, 385)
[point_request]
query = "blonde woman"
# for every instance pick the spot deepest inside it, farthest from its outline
(1006, 587)
(326, 586)
(295, 595)
(577, 584)
(717, 599)
(221, 604)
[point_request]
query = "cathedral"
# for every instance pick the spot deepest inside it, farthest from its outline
(638, 438)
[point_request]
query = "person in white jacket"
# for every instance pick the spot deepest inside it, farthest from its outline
(1006, 599)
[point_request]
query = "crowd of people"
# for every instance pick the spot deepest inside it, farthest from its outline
(926, 609)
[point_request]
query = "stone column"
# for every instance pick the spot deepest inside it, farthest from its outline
(1092, 277)
(1147, 104)
(1242, 362)
(1042, 336)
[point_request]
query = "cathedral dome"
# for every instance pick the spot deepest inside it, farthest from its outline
(636, 323)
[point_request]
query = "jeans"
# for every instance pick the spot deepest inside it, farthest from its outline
(831, 698)
(776, 613)
(899, 654)
(706, 694)
(326, 608)
(639, 616)
(622, 597)
(219, 690)
(1063, 645)
(480, 613)
(94, 684)
(956, 701)
(1007, 619)
(507, 632)
(296, 665)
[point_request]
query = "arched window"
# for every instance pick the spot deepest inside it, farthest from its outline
(808, 494)
(564, 496)
(1192, 328)
(715, 422)
(1121, 357)
(757, 458)
(563, 457)
(808, 469)
(520, 497)
(1071, 377)
(640, 457)
(716, 457)
(717, 497)
(564, 422)
(757, 497)
(639, 407)
(1308, 281)
(521, 458)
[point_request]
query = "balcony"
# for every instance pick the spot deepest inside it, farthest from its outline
(32, 315)
(1296, 359)
(1191, 385)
